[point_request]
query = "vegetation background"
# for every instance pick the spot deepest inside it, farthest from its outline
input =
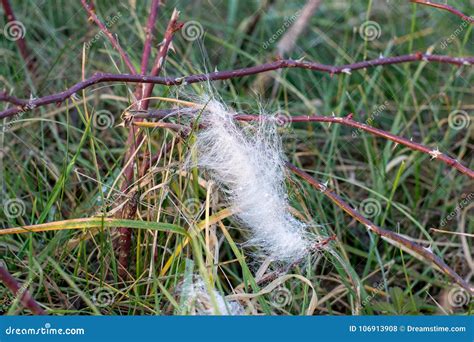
(53, 167)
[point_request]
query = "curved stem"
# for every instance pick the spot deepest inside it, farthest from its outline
(448, 8)
(395, 238)
(24, 105)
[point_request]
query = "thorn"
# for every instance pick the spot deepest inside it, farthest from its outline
(171, 47)
(435, 153)
(324, 186)
(334, 115)
(346, 71)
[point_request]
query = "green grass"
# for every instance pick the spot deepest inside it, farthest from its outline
(61, 166)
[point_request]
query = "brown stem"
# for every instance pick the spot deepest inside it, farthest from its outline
(20, 42)
(448, 8)
(172, 27)
(26, 299)
(155, 5)
(135, 138)
(346, 121)
(425, 253)
(24, 105)
(91, 11)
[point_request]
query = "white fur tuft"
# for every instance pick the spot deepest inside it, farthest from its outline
(247, 162)
(196, 300)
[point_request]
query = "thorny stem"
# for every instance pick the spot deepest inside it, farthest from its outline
(20, 42)
(172, 27)
(23, 105)
(12, 284)
(135, 138)
(346, 121)
(155, 5)
(425, 253)
(445, 7)
(91, 11)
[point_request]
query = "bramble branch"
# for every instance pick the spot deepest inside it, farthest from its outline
(12, 284)
(92, 16)
(155, 6)
(135, 137)
(20, 40)
(346, 121)
(425, 253)
(23, 105)
(446, 8)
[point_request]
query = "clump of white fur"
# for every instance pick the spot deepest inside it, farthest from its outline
(196, 300)
(247, 162)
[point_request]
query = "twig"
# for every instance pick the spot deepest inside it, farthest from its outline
(91, 11)
(26, 299)
(448, 8)
(20, 42)
(27, 105)
(451, 233)
(135, 139)
(346, 121)
(172, 27)
(155, 5)
(388, 235)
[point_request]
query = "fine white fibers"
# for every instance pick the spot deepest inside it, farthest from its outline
(196, 300)
(247, 162)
